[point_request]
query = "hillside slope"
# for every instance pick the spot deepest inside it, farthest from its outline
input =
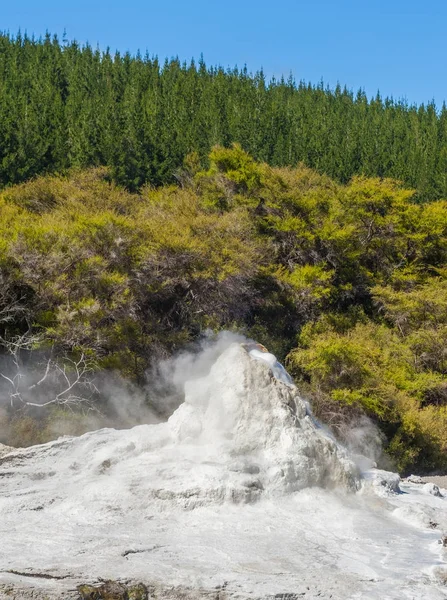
(347, 281)
(65, 106)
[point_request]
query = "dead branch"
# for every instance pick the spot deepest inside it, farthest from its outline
(59, 381)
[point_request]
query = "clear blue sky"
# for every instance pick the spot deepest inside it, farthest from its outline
(396, 46)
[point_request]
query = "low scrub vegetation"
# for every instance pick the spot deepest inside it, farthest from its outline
(345, 282)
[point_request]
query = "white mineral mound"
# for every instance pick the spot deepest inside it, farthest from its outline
(230, 493)
(258, 429)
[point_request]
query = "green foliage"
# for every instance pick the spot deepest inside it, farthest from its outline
(115, 274)
(238, 166)
(355, 273)
(66, 106)
(422, 305)
(398, 380)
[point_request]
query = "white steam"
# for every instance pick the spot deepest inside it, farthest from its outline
(229, 496)
(364, 441)
(122, 404)
(166, 387)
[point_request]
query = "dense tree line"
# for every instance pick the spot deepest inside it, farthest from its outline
(344, 282)
(64, 106)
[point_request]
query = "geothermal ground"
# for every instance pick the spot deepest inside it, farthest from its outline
(239, 495)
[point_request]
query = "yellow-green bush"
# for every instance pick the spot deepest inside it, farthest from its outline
(354, 274)
(372, 366)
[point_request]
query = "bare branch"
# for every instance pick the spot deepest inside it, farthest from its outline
(7, 379)
(44, 377)
(64, 381)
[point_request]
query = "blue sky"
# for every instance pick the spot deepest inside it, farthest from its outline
(395, 46)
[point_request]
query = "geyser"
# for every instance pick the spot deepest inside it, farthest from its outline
(238, 492)
(256, 424)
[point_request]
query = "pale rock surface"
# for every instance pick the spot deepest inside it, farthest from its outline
(383, 483)
(258, 426)
(433, 489)
(5, 449)
(227, 500)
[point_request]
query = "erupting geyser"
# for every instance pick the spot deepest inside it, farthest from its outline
(258, 430)
(240, 490)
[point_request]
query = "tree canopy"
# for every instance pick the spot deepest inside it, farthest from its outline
(63, 105)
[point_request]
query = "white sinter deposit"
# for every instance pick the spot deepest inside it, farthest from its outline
(239, 491)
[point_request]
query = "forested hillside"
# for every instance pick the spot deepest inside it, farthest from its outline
(344, 282)
(62, 106)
